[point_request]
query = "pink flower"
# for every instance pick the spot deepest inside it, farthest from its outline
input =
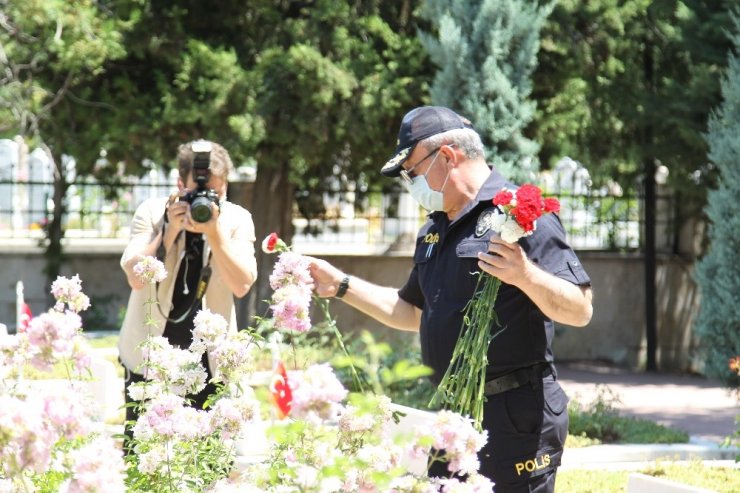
(97, 466)
(291, 269)
(291, 300)
(317, 393)
(149, 270)
(230, 415)
(232, 356)
(69, 291)
(290, 309)
(457, 436)
(51, 337)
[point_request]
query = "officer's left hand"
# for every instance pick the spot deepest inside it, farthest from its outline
(506, 261)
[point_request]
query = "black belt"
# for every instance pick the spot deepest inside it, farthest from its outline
(517, 378)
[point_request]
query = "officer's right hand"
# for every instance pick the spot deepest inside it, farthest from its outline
(326, 277)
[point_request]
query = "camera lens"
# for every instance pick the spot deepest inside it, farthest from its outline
(200, 209)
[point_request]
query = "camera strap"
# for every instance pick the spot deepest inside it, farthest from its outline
(200, 291)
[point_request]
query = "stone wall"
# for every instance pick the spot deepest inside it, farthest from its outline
(616, 334)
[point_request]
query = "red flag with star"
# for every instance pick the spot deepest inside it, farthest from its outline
(280, 390)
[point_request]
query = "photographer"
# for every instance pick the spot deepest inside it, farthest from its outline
(201, 238)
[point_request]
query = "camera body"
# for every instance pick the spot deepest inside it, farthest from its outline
(201, 198)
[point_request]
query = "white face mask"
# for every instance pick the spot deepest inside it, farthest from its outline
(431, 200)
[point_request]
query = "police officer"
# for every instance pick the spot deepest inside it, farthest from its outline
(439, 158)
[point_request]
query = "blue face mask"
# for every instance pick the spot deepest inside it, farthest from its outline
(431, 200)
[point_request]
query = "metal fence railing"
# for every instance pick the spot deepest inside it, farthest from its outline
(351, 222)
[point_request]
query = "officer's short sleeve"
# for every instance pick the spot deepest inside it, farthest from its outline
(411, 291)
(548, 249)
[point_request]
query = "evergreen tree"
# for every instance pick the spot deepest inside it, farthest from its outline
(718, 272)
(486, 51)
(623, 82)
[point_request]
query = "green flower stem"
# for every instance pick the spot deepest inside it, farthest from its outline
(462, 388)
(356, 380)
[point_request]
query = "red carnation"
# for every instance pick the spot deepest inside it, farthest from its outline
(272, 243)
(503, 197)
(529, 194)
(526, 214)
(552, 204)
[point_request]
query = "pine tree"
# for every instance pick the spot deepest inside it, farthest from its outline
(486, 51)
(718, 272)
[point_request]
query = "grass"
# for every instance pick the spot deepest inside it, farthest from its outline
(599, 422)
(695, 473)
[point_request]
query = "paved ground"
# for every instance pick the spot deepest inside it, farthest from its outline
(701, 407)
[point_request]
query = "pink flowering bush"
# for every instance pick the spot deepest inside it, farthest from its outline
(292, 297)
(50, 441)
(333, 440)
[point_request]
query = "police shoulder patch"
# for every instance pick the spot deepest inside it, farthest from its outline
(485, 221)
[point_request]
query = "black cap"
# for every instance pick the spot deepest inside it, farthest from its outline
(419, 124)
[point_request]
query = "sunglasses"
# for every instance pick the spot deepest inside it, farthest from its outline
(408, 175)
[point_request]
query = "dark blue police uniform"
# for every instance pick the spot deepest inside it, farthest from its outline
(525, 412)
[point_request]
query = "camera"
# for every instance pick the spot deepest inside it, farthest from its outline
(201, 198)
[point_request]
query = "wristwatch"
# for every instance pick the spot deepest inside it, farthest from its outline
(343, 286)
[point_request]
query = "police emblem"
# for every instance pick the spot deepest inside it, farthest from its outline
(485, 221)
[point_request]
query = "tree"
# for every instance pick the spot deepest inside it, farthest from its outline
(311, 91)
(329, 89)
(486, 51)
(622, 83)
(718, 272)
(628, 86)
(49, 50)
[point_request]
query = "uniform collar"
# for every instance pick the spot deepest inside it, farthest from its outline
(493, 184)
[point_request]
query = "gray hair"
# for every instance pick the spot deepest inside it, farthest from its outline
(465, 139)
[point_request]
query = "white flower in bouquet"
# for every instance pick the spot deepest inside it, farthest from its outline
(156, 459)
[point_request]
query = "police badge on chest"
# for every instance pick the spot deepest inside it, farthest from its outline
(485, 221)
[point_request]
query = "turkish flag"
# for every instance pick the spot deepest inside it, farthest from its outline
(280, 391)
(26, 316)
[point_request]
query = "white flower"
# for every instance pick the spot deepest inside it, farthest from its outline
(511, 231)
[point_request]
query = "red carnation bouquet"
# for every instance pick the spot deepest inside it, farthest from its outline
(462, 387)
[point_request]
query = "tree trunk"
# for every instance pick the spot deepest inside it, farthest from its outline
(54, 233)
(272, 211)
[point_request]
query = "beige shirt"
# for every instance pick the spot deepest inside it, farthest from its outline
(147, 222)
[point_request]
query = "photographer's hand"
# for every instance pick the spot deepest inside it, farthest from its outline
(209, 228)
(177, 216)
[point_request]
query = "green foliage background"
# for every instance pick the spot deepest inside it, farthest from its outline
(312, 92)
(718, 273)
